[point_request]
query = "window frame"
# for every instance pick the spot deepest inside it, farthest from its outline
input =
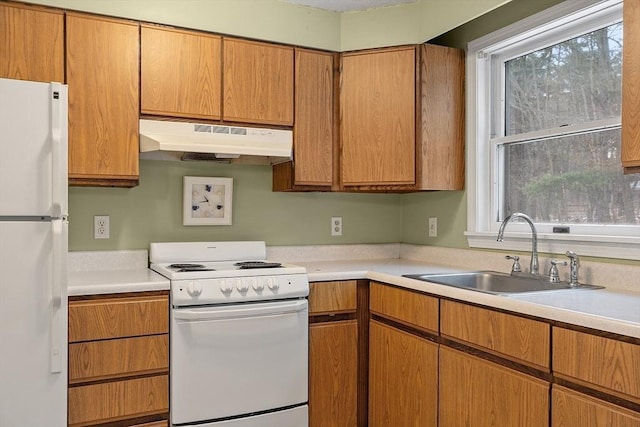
(530, 34)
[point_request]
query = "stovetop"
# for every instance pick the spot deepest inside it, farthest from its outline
(206, 273)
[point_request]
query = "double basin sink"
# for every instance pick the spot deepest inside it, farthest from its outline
(493, 282)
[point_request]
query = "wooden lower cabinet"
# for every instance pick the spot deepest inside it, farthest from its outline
(475, 392)
(333, 374)
(119, 360)
(403, 378)
(572, 409)
(113, 401)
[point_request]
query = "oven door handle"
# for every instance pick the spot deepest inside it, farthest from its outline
(214, 313)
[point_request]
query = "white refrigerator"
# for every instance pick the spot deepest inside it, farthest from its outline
(33, 254)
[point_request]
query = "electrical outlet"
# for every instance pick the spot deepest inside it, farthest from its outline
(433, 227)
(101, 227)
(336, 226)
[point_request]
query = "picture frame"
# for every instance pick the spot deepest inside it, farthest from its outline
(207, 200)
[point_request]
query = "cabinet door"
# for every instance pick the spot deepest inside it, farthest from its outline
(31, 43)
(631, 87)
(441, 144)
(313, 129)
(333, 374)
(403, 378)
(378, 116)
(180, 73)
(475, 392)
(257, 82)
(573, 409)
(103, 78)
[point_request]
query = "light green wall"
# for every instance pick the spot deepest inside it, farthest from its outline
(279, 21)
(449, 207)
(152, 212)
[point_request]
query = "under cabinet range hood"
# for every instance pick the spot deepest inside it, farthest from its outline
(167, 140)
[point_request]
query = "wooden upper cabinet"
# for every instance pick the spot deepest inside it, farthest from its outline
(313, 129)
(180, 73)
(104, 108)
(31, 43)
(257, 82)
(440, 144)
(631, 88)
(378, 119)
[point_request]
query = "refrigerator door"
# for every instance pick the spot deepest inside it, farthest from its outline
(33, 332)
(33, 148)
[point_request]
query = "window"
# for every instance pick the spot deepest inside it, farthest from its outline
(544, 133)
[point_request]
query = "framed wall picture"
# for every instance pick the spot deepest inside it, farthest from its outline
(207, 200)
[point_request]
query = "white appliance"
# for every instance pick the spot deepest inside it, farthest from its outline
(239, 335)
(167, 140)
(33, 254)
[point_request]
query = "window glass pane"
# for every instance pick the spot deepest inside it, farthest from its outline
(572, 179)
(575, 81)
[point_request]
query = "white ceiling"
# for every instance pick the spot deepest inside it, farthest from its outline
(348, 5)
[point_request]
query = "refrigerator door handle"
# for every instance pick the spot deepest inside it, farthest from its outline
(59, 151)
(59, 274)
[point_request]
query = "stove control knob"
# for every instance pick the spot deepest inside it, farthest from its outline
(225, 286)
(258, 285)
(272, 284)
(194, 288)
(243, 284)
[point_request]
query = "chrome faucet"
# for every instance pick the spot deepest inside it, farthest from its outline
(533, 265)
(574, 265)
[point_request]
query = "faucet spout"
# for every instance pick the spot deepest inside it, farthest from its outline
(533, 265)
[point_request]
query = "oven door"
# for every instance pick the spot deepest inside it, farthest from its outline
(239, 360)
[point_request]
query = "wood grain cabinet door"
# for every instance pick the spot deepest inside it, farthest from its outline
(403, 378)
(104, 107)
(180, 73)
(631, 87)
(257, 82)
(31, 43)
(478, 393)
(378, 117)
(333, 374)
(572, 409)
(313, 128)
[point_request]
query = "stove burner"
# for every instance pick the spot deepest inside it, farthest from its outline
(247, 265)
(189, 269)
(180, 266)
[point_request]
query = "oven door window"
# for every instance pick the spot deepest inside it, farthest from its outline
(238, 360)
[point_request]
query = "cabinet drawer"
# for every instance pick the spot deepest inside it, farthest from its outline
(100, 360)
(573, 409)
(332, 297)
(118, 318)
(597, 361)
(117, 400)
(523, 340)
(411, 308)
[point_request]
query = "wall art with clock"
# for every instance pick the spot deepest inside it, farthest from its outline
(207, 200)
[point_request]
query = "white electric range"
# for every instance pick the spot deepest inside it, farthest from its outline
(239, 335)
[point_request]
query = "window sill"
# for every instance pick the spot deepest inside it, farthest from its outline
(596, 246)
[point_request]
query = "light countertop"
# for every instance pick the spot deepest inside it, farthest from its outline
(610, 310)
(114, 281)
